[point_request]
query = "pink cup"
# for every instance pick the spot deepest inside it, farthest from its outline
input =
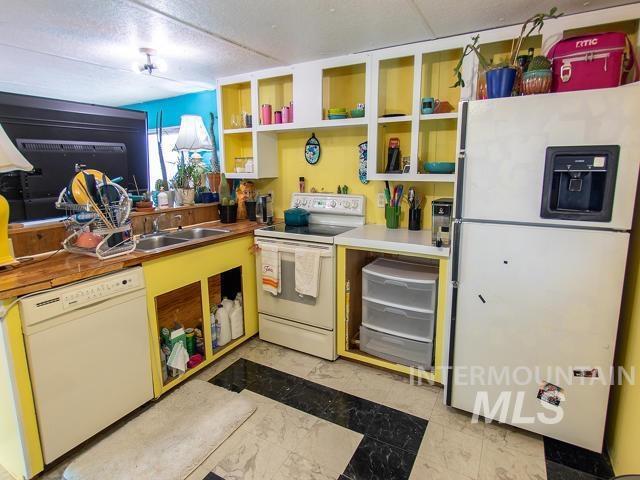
(285, 114)
(277, 116)
(266, 114)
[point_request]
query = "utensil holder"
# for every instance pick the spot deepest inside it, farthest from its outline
(415, 219)
(392, 216)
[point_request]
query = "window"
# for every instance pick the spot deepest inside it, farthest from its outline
(171, 156)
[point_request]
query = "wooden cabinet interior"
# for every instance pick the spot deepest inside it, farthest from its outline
(182, 306)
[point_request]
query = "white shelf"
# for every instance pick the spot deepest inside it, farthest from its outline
(284, 127)
(345, 122)
(231, 131)
(241, 176)
(276, 127)
(419, 177)
(437, 177)
(403, 118)
(439, 116)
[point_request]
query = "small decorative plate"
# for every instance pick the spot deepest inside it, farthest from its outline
(312, 150)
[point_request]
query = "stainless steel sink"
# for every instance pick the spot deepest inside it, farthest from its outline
(197, 233)
(157, 242)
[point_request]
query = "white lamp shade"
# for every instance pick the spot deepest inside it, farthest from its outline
(193, 134)
(10, 158)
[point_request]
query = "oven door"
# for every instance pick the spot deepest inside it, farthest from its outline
(318, 312)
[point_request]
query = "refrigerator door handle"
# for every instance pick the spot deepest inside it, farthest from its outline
(455, 283)
(462, 156)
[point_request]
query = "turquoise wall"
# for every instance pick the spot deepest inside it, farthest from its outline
(199, 103)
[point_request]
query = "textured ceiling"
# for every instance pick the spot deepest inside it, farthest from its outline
(83, 49)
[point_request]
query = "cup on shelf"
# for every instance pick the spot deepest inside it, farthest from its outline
(429, 105)
(392, 216)
(266, 114)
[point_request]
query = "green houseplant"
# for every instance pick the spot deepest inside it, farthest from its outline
(501, 77)
(183, 181)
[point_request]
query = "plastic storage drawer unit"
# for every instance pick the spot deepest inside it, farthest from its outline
(411, 285)
(395, 320)
(396, 349)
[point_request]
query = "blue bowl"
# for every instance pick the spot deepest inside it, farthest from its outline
(440, 167)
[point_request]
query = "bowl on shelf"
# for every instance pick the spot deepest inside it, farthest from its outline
(439, 167)
(357, 113)
(337, 111)
(337, 116)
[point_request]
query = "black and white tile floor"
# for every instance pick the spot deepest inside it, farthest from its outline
(321, 420)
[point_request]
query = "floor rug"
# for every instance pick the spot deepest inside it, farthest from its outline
(169, 440)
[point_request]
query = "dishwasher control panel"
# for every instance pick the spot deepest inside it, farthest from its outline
(108, 288)
(54, 302)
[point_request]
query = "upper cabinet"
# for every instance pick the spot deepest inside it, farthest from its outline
(410, 105)
(414, 122)
(344, 89)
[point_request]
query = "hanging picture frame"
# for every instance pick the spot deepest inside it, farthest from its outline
(312, 150)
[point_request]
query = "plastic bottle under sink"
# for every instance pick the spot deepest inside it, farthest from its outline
(237, 320)
(223, 319)
(227, 304)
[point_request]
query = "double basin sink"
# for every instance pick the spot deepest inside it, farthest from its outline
(160, 241)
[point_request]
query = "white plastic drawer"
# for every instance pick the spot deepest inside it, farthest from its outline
(416, 325)
(396, 349)
(415, 287)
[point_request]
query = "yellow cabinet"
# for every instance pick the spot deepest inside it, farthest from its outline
(349, 305)
(181, 289)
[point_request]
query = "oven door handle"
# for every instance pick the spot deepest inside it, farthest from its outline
(290, 247)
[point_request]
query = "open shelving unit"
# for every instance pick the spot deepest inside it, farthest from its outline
(274, 91)
(343, 87)
(401, 83)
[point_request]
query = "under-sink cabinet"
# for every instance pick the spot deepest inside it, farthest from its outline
(182, 288)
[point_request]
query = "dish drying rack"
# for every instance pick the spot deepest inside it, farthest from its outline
(112, 223)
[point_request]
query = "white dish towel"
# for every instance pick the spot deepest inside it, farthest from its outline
(270, 269)
(307, 271)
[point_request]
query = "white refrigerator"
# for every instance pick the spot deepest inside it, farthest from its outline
(545, 195)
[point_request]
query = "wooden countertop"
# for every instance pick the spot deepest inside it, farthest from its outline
(47, 271)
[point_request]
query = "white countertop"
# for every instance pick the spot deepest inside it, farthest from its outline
(401, 240)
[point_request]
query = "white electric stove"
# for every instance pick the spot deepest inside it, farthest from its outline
(299, 321)
(330, 215)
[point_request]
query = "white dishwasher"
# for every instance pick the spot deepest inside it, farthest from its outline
(89, 357)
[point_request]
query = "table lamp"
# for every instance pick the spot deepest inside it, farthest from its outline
(10, 159)
(193, 135)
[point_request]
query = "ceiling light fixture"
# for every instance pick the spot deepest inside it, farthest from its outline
(149, 66)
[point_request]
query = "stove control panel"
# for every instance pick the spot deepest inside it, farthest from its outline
(329, 203)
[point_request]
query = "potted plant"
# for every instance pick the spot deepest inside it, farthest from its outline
(537, 78)
(213, 175)
(183, 182)
(501, 77)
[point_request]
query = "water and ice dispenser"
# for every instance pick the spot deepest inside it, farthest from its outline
(579, 183)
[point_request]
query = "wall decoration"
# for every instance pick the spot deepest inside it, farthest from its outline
(362, 163)
(312, 150)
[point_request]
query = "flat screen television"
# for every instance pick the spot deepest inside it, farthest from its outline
(55, 135)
